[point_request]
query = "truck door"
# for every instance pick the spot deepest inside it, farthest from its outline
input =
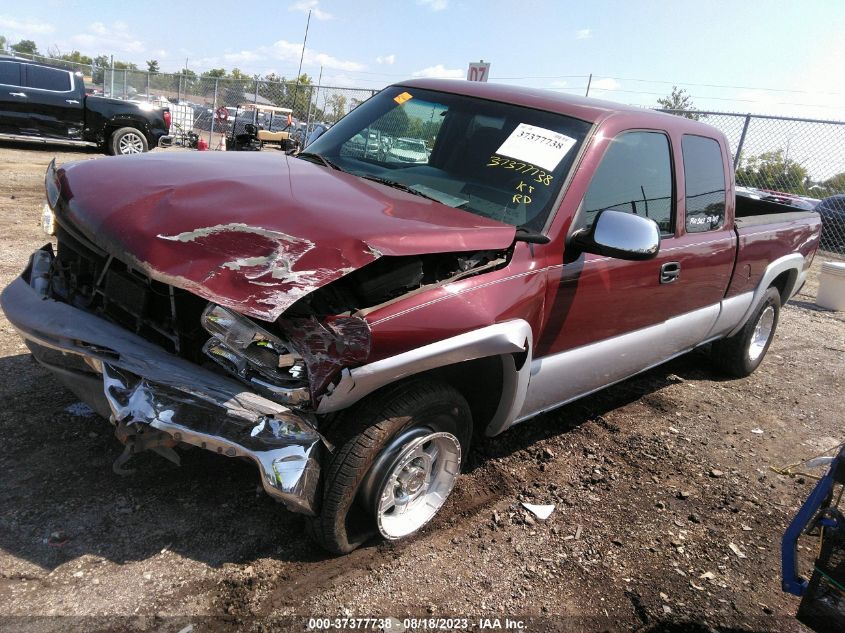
(611, 318)
(12, 104)
(56, 102)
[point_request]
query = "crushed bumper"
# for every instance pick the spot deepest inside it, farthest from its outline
(149, 392)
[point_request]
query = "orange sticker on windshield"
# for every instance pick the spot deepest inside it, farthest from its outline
(402, 98)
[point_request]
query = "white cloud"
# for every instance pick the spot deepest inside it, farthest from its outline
(114, 37)
(24, 27)
(386, 59)
(434, 5)
(605, 84)
(281, 51)
(304, 6)
(584, 34)
(440, 72)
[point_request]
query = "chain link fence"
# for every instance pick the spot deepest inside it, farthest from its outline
(218, 108)
(799, 162)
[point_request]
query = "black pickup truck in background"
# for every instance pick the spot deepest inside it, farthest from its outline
(49, 104)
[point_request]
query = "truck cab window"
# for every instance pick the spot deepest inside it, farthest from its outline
(44, 78)
(704, 179)
(635, 176)
(10, 73)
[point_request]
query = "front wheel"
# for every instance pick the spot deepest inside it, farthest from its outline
(127, 140)
(740, 354)
(394, 470)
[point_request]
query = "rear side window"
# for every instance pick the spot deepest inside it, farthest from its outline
(635, 176)
(47, 78)
(10, 73)
(704, 177)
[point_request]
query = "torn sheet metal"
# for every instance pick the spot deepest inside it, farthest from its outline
(257, 233)
(285, 451)
(184, 400)
(328, 346)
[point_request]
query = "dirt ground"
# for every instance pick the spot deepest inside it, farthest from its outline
(653, 482)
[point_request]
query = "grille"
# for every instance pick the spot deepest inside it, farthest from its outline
(86, 277)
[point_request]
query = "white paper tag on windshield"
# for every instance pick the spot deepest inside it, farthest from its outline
(536, 145)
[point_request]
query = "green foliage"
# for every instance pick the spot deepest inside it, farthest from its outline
(27, 47)
(680, 101)
(3, 42)
(836, 184)
(773, 170)
(337, 103)
(215, 72)
(152, 66)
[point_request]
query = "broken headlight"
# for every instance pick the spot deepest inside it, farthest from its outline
(254, 355)
(48, 220)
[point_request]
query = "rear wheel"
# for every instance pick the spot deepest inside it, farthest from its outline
(395, 467)
(740, 354)
(127, 140)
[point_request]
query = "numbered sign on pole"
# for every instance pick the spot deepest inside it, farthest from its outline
(478, 71)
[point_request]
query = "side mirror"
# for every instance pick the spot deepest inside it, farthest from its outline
(620, 235)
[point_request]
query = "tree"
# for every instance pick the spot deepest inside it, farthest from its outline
(337, 103)
(27, 47)
(836, 184)
(680, 102)
(773, 170)
(3, 42)
(215, 72)
(152, 66)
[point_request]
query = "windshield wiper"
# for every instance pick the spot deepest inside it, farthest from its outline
(400, 186)
(524, 234)
(313, 157)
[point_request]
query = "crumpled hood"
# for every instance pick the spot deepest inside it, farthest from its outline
(256, 231)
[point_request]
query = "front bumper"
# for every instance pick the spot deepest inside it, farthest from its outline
(151, 392)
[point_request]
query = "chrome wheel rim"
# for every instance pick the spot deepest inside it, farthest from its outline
(417, 483)
(131, 143)
(762, 333)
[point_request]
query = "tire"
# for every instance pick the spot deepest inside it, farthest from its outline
(377, 437)
(740, 354)
(127, 141)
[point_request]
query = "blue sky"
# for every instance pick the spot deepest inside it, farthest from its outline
(768, 57)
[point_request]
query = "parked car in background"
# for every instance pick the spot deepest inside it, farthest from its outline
(832, 212)
(407, 150)
(48, 103)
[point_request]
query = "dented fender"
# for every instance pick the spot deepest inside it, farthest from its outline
(511, 340)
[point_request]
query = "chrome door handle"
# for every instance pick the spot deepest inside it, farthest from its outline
(18, 94)
(669, 272)
(71, 101)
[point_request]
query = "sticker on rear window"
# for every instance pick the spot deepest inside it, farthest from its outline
(402, 98)
(536, 145)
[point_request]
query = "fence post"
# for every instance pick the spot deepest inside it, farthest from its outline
(741, 141)
(125, 87)
(214, 113)
(148, 87)
(255, 103)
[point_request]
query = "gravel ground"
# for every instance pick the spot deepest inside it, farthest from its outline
(666, 517)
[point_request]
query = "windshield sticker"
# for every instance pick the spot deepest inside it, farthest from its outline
(536, 145)
(402, 98)
(536, 174)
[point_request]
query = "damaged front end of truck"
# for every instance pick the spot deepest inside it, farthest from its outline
(184, 327)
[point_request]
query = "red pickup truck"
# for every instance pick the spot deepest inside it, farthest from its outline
(348, 321)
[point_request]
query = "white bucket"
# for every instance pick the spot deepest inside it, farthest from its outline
(831, 292)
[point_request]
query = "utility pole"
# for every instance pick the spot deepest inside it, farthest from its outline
(589, 81)
(301, 57)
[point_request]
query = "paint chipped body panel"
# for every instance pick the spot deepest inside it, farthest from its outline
(257, 232)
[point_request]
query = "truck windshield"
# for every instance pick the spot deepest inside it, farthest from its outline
(493, 159)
